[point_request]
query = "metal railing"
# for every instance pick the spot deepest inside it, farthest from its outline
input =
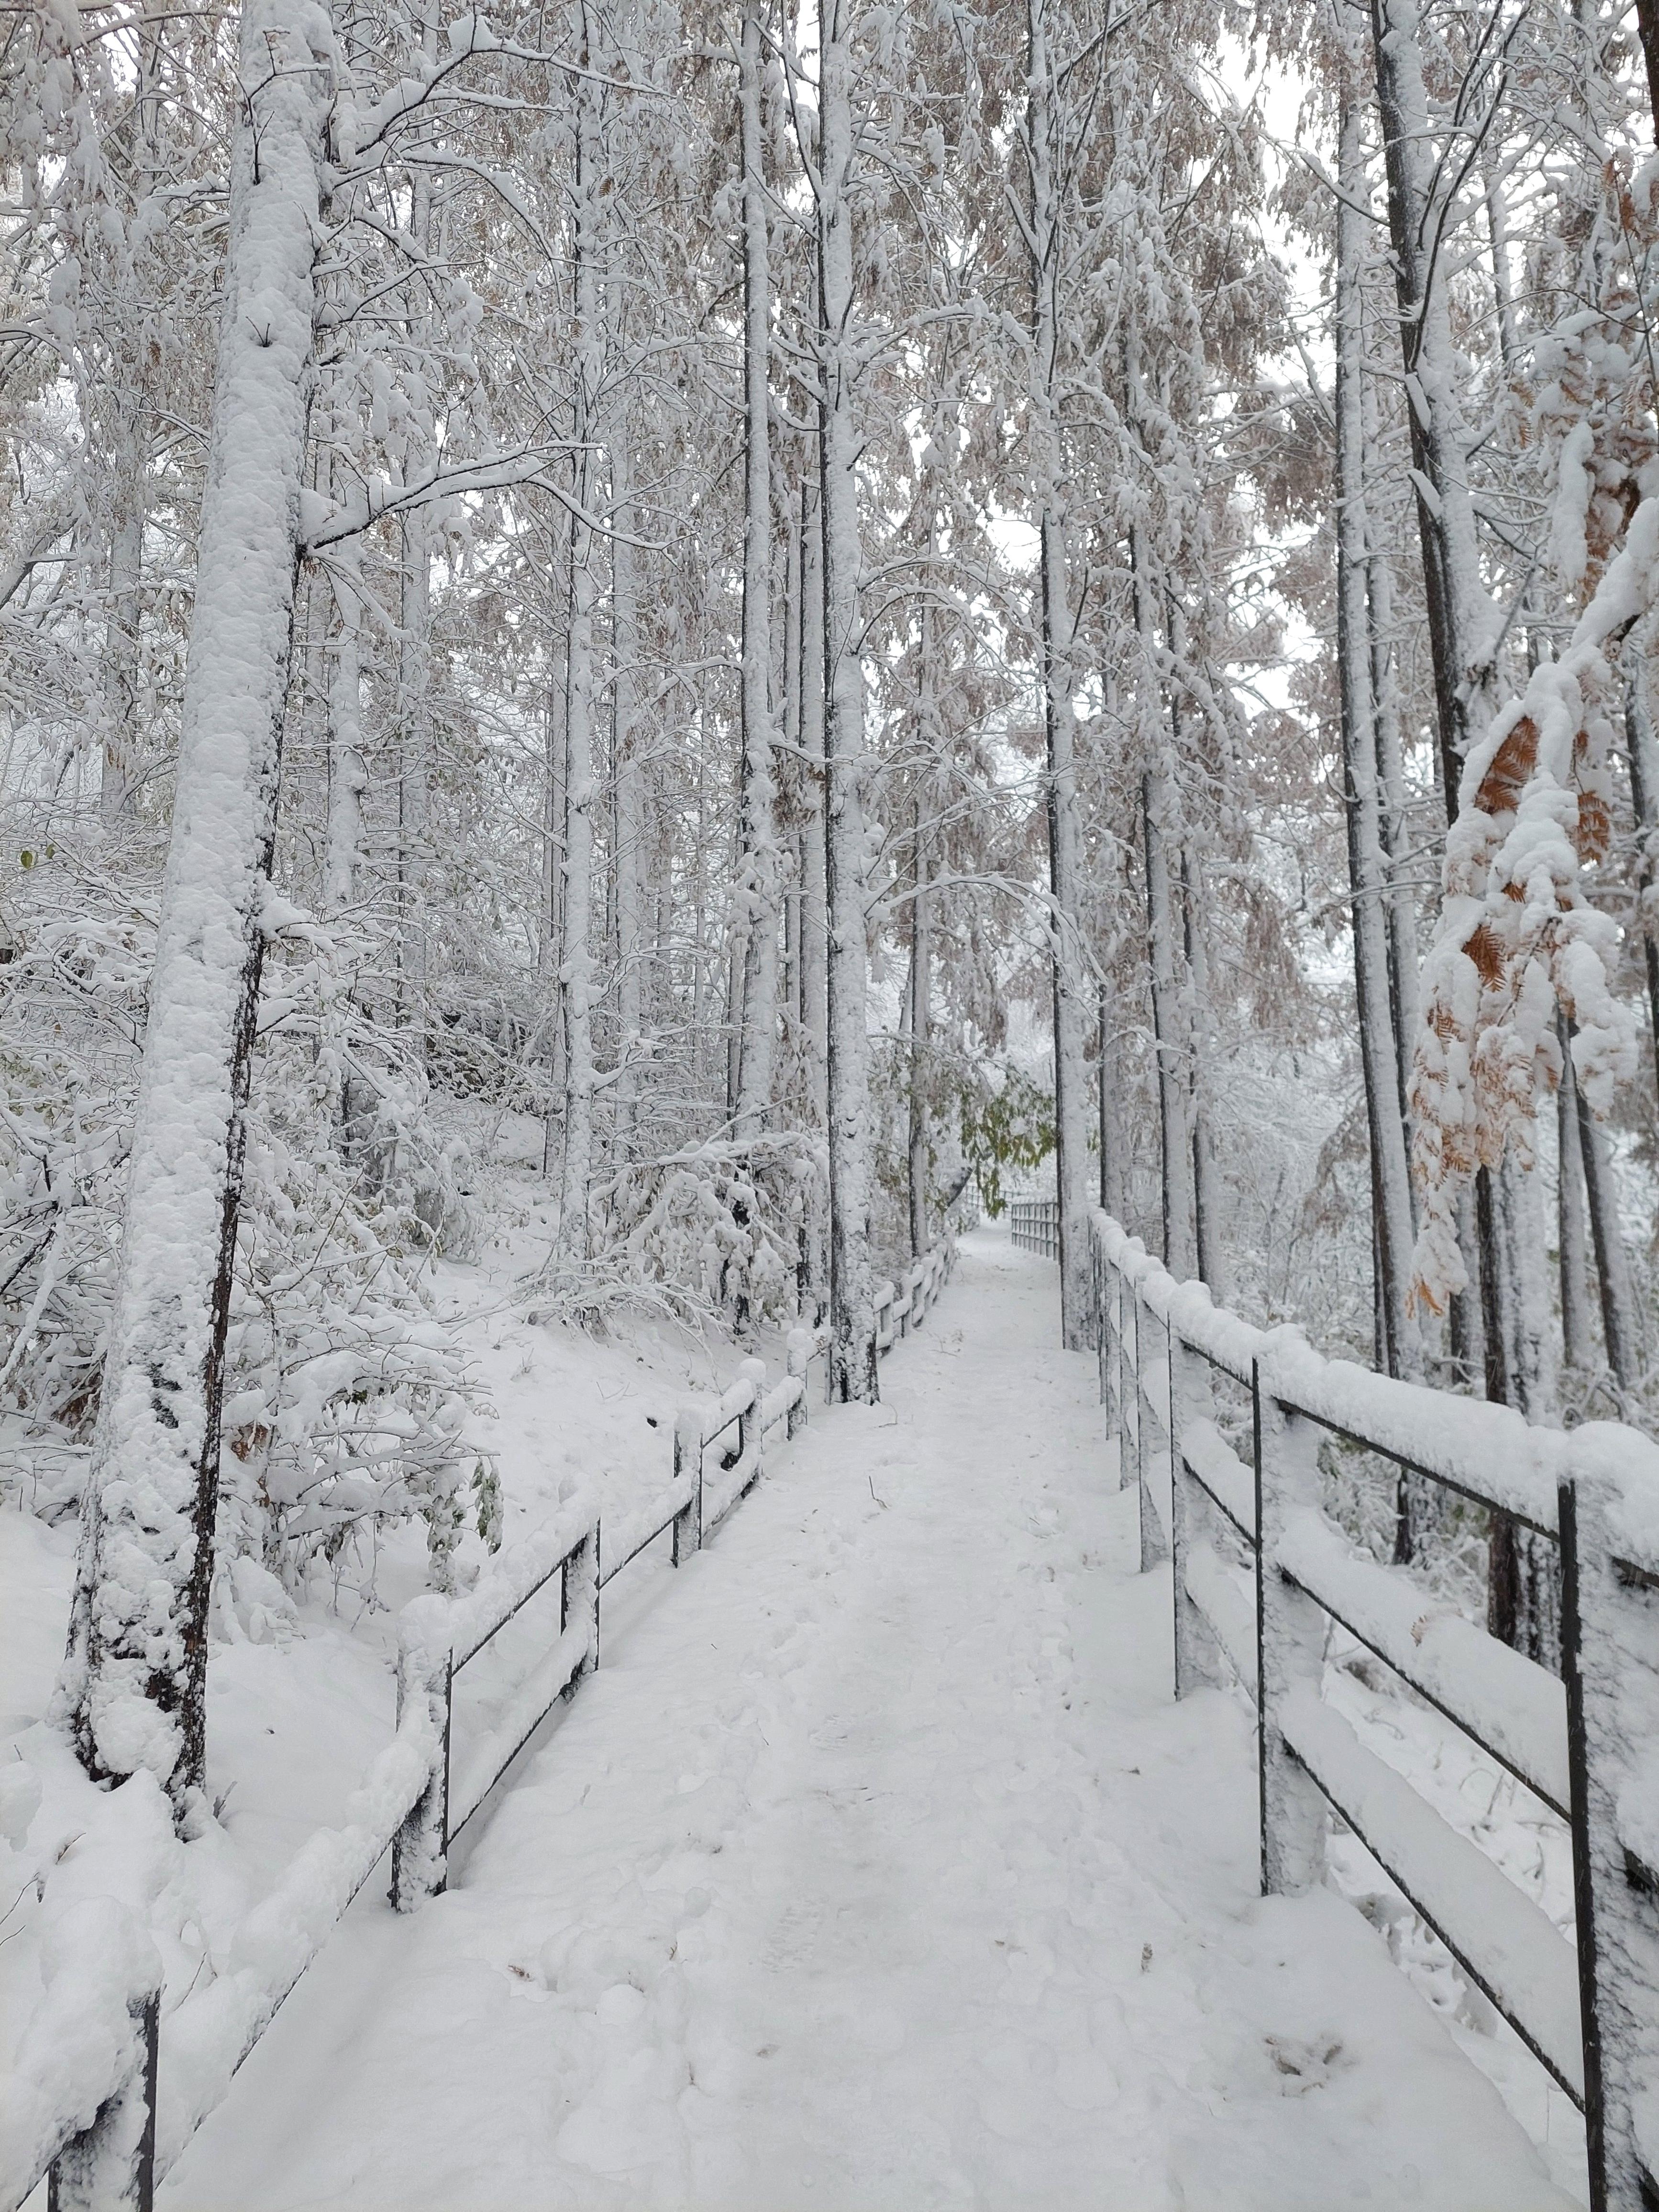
(105, 2131)
(1034, 1225)
(1588, 1745)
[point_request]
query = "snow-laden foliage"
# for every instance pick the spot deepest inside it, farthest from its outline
(346, 1399)
(728, 1228)
(1518, 934)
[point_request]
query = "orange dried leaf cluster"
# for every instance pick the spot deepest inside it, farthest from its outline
(1513, 762)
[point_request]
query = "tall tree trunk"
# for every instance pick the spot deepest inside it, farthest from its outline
(1460, 613)
(1072, 992)
(125, 397)
(1391, 775)
(793, 774)
(852, 1294)
(1174, 1085)
(758, 890)
(1524, 1573)
(1209, 1234)
(550, 943)
(1490, 1274)
(1621, 1333)
(1393, 1235)
(576, 968)
(1647, 22)
(117, 784)
(1573, 1255)
(920, 1018)
(348, 778)
(576, 972)
(1643, 756)
(628, 861)
(814, 908)
(414, 709)
(1110, 1199)
(413, 772)
(1529, 1329)
(135, 1673)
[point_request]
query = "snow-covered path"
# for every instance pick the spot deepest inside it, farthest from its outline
(877, 1870)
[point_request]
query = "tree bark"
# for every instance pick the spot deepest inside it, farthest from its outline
(348, 778)
(852, 1297)
(549, 947)
(918, 1148)
(758, 887)
(1647, 23)
(414, 774)
(1573, 1255)
(814, 908)
(576, 972)
(135, 1672)
(1620, 1328)
(1209, 1232)
(1071, 988)
(1643, 757)
(1108, 1192)
(414, 713)
(1174, 1087)
(628, 861)
(117, 784)
(1460, 615)
(1393, 1233)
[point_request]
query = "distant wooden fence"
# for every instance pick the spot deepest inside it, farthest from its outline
(103, 2103)
(1587, 1745)
(1034, 1225)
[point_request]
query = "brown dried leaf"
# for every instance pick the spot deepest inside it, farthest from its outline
(1486, 950)
(1512, 763)
(1593, 833)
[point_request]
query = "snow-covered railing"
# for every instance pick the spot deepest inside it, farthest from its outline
(1034, 1225)
(1586, 1745)
(902, 1304)
(437, 1641)
(104, 2102)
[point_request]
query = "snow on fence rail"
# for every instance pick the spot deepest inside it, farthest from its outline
(103, 2102)
(1586, 1745)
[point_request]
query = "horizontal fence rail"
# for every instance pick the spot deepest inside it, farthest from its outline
(1586, 1745)
(105, 2101)
(1034, 1225)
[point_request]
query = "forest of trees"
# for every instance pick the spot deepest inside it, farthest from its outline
(811, 603)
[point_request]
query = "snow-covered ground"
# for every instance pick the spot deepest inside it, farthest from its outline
(301, 1696)
(874, 1868)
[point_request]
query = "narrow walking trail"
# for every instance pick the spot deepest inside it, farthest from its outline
(877, 1870)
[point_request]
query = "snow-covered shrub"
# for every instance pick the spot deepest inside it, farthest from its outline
(347, 1403)
(725, 1227)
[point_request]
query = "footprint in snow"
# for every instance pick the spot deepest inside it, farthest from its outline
(1303, 2066)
